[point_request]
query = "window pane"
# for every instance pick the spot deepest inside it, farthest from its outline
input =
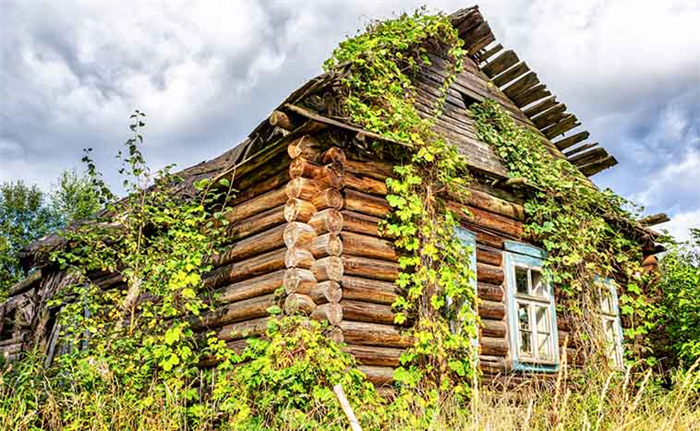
(539, 288)
(523, 316)
(607, 303)
(542, 319)
(609, 326)
(526, 343)
(521, 280)
(545, 346)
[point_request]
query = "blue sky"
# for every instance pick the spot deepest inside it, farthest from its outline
(207, 73)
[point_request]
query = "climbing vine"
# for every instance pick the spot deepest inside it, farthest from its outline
(439, 298)
(581, 227)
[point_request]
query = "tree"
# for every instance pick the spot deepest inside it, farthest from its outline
(74, 197)
(24, 217)
(27, 213)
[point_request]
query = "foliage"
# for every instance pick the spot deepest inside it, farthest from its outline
(287, 380)
(27, 213)
(74, 198)
(585, 231)
(680, 284)
(435, 268)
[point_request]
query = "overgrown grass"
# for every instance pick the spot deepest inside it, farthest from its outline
(574, 401)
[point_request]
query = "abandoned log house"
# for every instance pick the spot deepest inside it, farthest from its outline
(306, 218)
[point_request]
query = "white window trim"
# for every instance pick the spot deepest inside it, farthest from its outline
(526, 256)
(618, 360)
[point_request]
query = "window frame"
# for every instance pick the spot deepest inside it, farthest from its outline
(618, 361)
(530, 257)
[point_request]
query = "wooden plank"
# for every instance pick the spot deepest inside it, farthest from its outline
(501, 63)
(550, 116)
(511, 74)
(598, 166)
(531, 95)
(489, 53)
(541, 106)
(528, 81)
(572, 140)
(567, 123)
(579, 149)
(588, 157)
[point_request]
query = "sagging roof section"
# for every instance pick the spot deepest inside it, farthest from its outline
(521, 85)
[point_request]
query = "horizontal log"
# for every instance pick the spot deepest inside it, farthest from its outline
(490, 292)
(366, 204)
(530, 95)
(328, 198)
(378, 375)
(485, 201)
(298, 210)
(361, 223)
(305, 146)
(493, 328)
(540, 106)
(256, 205)
(370, 268)
(329, 220)
(26, 284)
(247, 309)
(511, 74)
(492, 310)
(367, 312)
(374, 334)
(331, 180)
(488, 220)
(250, 288)
(251, 246)
(376, 169)
(258, 265)
(501, 63)
(328, 268)
(328, 244)
(373, 355)
(522, 84)
(368, 290)
(492, 364)
(333, 314)
(368, 246)
(490, 274)
(489, 255)
(255, 224)
(493, 346)
(275, 181)
(326, 292)
(572, 140)
(299, 280)
(365, 184)
(297, 303)
(240, 330)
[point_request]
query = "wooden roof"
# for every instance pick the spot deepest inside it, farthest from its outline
(513, 77)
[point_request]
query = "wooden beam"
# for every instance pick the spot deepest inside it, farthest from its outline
(572, 140)
(579, 149)
(528, 81)
(501, 63)
(541, 106)
(530, 95)
(490, 53)
(655, 219)
(511, 74)
(567, 123)
(550, 117)
(588, 156)
(598, 166)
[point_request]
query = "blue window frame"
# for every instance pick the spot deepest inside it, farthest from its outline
(532, 322)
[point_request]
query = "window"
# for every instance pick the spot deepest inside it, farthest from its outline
(612, 326)
(531, 313)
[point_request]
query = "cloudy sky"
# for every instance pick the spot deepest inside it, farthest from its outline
(207, 73)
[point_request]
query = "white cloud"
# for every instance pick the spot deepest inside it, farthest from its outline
(680, 224)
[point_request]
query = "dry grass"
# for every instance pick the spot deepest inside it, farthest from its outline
(575, 401)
